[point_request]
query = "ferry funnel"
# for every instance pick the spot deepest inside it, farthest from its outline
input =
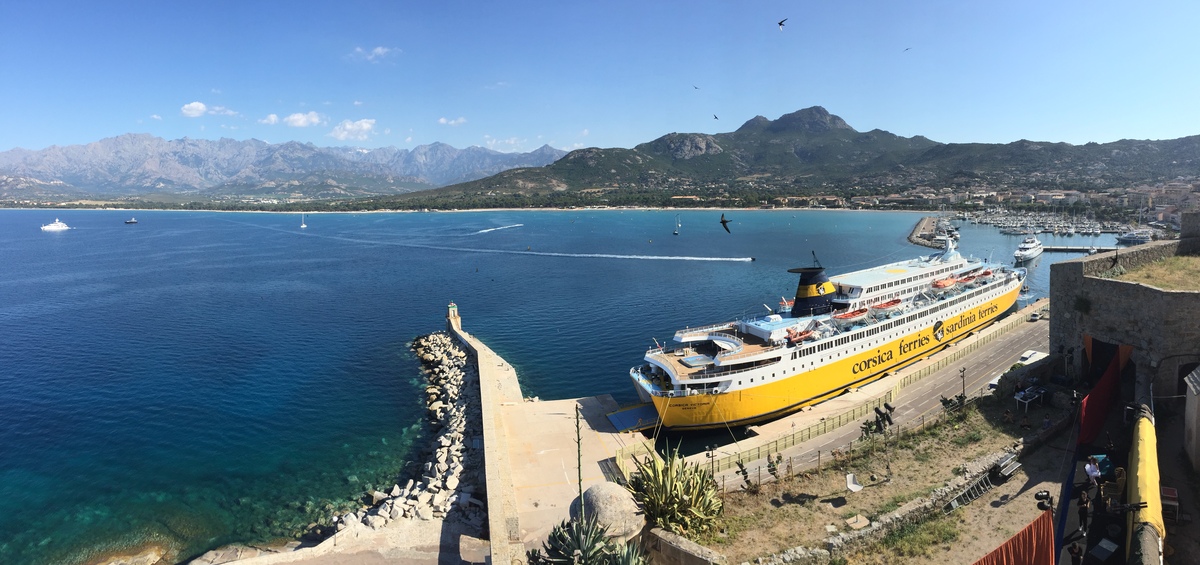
(814, 293)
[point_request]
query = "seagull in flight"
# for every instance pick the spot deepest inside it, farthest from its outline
(906, 49)
(725, 223)
(781, 23)
(715, 117)
(696, 87)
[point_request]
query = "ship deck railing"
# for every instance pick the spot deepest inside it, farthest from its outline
(687, 333)
(747, 352)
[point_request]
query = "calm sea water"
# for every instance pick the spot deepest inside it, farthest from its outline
(199, 379)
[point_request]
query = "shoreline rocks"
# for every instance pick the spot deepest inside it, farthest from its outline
(451, 471)
(449, 485)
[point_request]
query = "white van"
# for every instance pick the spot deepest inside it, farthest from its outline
(1032, 356)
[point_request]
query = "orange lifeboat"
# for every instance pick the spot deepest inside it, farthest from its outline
(888, 306)
(785, 303)
(797, 337)
(945, 284)
(851, 316)
(966, 280)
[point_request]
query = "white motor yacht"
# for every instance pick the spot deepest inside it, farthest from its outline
(56, 226)
(1028, 249)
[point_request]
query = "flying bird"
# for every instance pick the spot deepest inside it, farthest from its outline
(906, 49)
(715, 117)
(696, 87)
(781, 23)
(725, 223)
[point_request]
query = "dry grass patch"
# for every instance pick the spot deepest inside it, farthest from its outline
(795, 511)
(1172, 273)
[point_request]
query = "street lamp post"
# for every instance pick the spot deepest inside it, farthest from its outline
(711, 455)
(962, 373)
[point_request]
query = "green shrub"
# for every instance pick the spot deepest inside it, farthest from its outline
(676, 496)
(583, 542)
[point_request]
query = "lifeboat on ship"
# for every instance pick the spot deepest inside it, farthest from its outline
(945, 284)
(889, 306)
(967, 280)
(851, 316)
(795, 337)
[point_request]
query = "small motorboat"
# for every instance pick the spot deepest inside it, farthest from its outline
(131, 221)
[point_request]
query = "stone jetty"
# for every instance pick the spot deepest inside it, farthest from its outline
(923, 233)
(448, 493)
(450, 475)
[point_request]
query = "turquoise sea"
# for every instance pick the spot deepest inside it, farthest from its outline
(199, 379)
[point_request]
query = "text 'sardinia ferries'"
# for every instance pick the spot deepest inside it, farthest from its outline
(837, 333)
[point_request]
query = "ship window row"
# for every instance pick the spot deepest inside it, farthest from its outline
(890, 284)
(875, 330)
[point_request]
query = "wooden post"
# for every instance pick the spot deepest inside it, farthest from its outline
(818, 461)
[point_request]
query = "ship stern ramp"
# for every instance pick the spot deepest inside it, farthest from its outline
(634, 418)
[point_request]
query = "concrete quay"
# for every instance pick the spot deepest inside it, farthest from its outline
(530, 456)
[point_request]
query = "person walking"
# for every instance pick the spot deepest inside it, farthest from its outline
(1076, 553)
(1084, 504)
(1092, 468)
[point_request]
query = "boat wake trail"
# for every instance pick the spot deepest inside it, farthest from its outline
(557, 254)
(513, 251)
(499, 228)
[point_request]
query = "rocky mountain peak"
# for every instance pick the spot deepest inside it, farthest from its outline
(685, 145)
(810, 120)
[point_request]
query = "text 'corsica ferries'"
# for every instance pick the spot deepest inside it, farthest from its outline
(837, 333)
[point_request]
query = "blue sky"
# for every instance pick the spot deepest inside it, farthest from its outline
(513, 76)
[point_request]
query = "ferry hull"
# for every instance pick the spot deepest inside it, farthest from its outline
(809, 386)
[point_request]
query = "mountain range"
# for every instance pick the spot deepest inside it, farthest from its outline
(806, 152)
(812, 151)
(135, 165)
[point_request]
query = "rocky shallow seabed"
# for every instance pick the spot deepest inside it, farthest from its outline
(452, 471)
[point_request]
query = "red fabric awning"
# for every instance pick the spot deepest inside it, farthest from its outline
(1033, 545)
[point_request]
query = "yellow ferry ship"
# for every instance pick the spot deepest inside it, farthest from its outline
(837, 333)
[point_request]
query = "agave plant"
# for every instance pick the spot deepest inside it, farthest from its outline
(583, 542)
(676, 496)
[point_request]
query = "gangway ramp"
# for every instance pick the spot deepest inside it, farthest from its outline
(634, 418)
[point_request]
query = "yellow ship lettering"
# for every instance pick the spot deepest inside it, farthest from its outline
(868, 363)
(907, 347)
(963, 321)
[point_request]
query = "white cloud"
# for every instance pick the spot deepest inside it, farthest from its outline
(155, 117)
(270, 120)
(455, 122)
(358, 102)
(221, 111)
(193, 109)
(496, 85)
(216, 91)
(358, 130)
(408, 139)
(509, 144)
(375, 54)
(584, 133)
(298, 120)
